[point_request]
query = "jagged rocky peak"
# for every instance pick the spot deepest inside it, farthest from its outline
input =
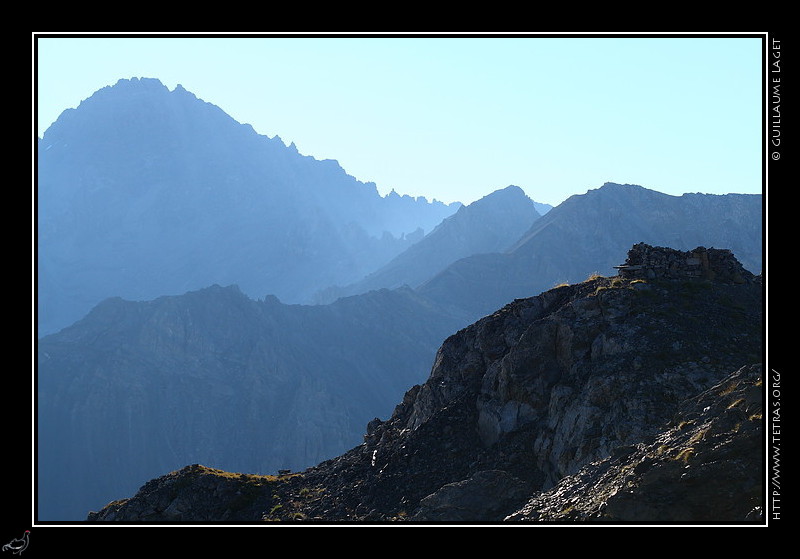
(551, 383)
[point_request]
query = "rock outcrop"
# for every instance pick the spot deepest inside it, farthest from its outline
(551, 397)
(720, 265)
(485, 495)
(700, 468)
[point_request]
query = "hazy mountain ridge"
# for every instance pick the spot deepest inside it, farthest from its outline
(137, 388)
(530, 413)
(581, 236)
(488, 225)
(143, 192)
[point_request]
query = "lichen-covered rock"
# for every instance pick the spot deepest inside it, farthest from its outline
(703, 467)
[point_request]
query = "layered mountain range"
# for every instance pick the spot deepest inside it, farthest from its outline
(633, 398)
(175, 247)
(586, 234)
(487, 226)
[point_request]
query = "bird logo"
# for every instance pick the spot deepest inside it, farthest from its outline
(18, 545)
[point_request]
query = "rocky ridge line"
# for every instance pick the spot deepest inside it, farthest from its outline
(538, 400)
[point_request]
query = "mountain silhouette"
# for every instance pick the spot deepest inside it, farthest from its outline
(143, 192)
(582, 235)
(488, 225)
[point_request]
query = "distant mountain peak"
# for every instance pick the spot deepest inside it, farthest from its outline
(609, 184)
(511, 192)
(489, 224)
(582, 235)
(140, 82)
(135, 85)
(142, 178)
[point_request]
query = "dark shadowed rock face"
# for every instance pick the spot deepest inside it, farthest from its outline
(719, 265)
(532, 396)
(485, 495)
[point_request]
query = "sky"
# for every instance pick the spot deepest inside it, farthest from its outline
(455, 118)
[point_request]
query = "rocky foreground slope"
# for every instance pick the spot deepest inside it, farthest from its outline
(629, 398)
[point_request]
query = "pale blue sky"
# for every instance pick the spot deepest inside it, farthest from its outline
(456, 118)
